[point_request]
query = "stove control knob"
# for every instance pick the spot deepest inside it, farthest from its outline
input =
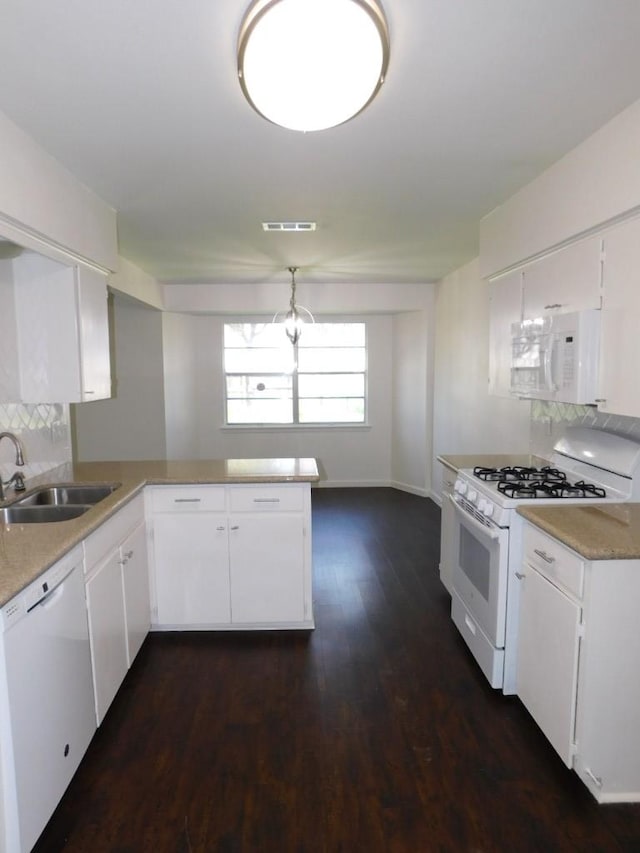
(460, 487)
(472, 495)
(482, 505)
(488, 509)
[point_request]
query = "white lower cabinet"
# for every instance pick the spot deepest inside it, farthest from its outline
(135, 581)
(107, 631)
(117, 591)
(578, 647)
(191, 568)
(234, 556)
(265, 559)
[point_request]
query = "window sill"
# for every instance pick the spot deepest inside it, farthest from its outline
(289, 427)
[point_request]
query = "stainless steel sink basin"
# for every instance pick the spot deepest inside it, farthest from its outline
(15, 514)
(56, 503)
(87, 493)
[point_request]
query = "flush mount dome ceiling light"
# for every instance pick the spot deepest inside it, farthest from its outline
(312, 64)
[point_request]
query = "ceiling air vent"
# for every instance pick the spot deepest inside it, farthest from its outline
(288, 226)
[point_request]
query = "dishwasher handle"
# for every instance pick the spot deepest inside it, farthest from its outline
(48, 591)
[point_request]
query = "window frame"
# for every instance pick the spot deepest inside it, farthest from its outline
(295, 423)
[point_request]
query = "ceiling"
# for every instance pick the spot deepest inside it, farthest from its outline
(140, 100)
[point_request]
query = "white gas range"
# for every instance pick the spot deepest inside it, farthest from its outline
(587, 464)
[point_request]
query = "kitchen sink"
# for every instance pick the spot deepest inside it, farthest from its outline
(15, 514)
(62, 495)
(56, 503)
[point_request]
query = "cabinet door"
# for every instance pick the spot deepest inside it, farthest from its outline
(567, 280)
(47, 328)
(619, 349)
(267, 568)
(191, 564)
(135, 580)
(93, 324)
(107, 632)
(505, 308)
(548, 647)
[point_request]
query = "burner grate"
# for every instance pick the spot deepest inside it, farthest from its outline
(528, 489)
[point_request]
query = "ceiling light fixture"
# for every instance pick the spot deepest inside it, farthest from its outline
(293, 321)
(312, 64)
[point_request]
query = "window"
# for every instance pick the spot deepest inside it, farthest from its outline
(321, 380)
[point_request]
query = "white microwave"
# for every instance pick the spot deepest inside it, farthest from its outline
(556, 357)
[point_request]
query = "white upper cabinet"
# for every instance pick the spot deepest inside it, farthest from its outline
(505, 308)
(62, 332)
(564, 281)
(619, 347)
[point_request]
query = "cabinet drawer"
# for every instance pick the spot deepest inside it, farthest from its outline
(187, 498)
(561, 566)
(109, 535)
(266, 498)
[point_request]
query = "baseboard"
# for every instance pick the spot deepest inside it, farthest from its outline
(353, 484)
(413, 490)
(366, 484)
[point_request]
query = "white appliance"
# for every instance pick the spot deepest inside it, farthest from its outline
(556, 357)
(47, 714)
(587, 464)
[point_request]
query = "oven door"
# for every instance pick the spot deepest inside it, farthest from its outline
(480, 573)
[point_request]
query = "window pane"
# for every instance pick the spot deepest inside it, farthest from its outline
(259, 360)
(331, 360)
(259, 411)
(244, 335)
(259, 387)
(332, 411)
(331, 385)
(333, 335)
(260, 367)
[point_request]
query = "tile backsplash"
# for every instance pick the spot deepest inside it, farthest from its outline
(44, 431)
(549, 421)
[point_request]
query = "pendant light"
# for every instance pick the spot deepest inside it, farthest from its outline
(293, 321)
(312, 64)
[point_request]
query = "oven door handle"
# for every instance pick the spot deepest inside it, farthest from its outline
(488, 532)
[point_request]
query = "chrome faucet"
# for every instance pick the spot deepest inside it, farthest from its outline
(17, 478)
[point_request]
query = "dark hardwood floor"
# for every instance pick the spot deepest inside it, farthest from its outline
(375, 732)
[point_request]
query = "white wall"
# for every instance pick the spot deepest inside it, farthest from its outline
(597, 181)
(192, 394)
(183, 385)
(131, 425)
(41, 201)
(346, 455)
(411, 407)
(466, 419)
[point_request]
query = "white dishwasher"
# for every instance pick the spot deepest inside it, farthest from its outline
(47, 715)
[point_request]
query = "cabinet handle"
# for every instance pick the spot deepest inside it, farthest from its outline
(520, 575)
(187, 500)
(221, 527)
(266, 500)
(544, 556)
(553, 305)
(600, 400)
(235, 527)
(129, 555)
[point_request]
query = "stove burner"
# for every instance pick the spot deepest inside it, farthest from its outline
(518, 473)
(549, 489)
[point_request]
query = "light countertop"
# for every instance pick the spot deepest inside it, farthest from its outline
(26, 550)
(490, 460)
(596, 531)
